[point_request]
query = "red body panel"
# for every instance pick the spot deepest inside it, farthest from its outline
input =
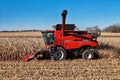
(71, 41)
(78, 44)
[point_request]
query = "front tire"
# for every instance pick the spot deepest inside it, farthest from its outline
(88, 54)
(60, 54)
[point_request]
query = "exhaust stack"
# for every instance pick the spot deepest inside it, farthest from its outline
(64, 14)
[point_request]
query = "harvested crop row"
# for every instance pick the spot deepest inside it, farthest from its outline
(107, 34)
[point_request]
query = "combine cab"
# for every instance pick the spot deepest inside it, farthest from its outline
(65, 40)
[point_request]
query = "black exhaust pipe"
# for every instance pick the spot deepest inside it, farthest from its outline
(64, 14)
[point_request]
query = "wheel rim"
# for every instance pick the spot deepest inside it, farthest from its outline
(89, 56)
(58, 55)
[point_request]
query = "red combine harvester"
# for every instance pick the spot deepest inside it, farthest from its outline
(65, 40)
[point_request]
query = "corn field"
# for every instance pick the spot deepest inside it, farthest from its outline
(14, 46)
(20, 34)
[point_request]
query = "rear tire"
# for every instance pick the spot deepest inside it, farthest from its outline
(60, 54)
(88, 54)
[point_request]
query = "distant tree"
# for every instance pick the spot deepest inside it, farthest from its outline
(113, 28)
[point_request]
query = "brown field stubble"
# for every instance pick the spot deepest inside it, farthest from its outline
(107, 34)
(20, 34)
(13, 49)
(103, 69)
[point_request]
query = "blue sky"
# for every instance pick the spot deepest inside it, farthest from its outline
(42, 14)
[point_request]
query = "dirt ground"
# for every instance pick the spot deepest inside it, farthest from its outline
(78, 69)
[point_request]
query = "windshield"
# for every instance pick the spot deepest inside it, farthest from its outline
(48, 37)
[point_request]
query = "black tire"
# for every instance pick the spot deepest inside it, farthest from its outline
(60, 54)
(88, 54)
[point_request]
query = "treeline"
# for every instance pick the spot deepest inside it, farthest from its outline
(114, 28)
(21, 30)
